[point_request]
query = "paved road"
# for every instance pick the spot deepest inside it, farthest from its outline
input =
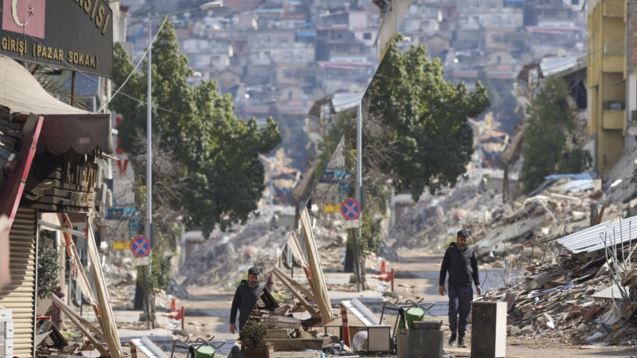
(207, 310)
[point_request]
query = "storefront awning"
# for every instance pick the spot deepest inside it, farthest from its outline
(65, 127)
(52, 125)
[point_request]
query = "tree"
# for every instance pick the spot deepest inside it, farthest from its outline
(546, 149)
(427, 138)
(206, 168)
(222, 177)
(48, 267)
(416, 135)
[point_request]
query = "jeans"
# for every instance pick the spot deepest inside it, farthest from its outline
(460, 298)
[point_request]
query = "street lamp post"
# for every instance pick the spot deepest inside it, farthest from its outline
(148, 228)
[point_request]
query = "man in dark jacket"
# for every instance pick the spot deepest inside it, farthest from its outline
(460, 262)
(245, 299)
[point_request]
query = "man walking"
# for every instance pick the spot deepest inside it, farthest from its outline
(460, 262)
(245, 299)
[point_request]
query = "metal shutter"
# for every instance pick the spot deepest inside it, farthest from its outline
(19, 295)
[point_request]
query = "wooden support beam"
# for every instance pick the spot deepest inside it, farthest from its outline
(295, 344)
(284, 277)
(69, 311)
(76, 265)
(308, 306)
(103, 351)
(314, 264)
(295, 248)
(107, 319)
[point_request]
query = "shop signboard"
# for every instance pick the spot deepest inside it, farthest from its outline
(70, 34)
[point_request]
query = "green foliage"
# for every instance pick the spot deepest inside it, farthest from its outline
(252, 335)
(427, 134)
(416, 136)
(220, 175)
(546, 149)
(161, 275)
(48, 267)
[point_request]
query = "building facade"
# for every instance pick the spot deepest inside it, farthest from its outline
(606, 82)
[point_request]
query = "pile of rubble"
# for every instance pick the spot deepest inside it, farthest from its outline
(512, 234)
(222, 260)
(434, 219)
(586, 298)
(568, 236)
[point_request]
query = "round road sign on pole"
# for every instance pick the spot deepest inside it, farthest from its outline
(350, 209)
(140, 246)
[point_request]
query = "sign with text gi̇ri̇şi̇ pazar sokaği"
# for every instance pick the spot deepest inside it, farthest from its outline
(70, 34)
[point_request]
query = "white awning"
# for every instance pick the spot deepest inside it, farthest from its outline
(22, 93)
(65, 127)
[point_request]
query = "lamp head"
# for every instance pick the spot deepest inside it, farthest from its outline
(211, 5)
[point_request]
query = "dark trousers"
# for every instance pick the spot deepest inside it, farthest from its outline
(460, 298)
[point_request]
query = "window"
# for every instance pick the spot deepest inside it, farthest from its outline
(367, 36)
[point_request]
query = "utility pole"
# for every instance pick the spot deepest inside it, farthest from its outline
(148, 227)
(358, 192)
(149, 170)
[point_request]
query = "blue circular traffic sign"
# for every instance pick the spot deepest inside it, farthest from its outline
(350, 209)
(140, 246)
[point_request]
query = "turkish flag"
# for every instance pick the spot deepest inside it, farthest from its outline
(24, 17)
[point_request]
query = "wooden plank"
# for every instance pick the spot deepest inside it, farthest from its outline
(314, 265)
(69, 311)
(103, 351)
(295, 344)
(281, 322)
(107, 319)
(277, 333)
(308, 306)
(295, 248)
(295, 355)
(74, 256)
(284, 276)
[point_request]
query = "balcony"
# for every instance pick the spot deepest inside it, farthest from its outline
(613, 57)
(613, 8)
(613, 119)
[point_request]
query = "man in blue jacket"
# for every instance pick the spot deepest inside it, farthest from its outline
(460, 262)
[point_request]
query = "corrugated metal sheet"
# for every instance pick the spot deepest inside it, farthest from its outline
(595, 238)
(19, 295)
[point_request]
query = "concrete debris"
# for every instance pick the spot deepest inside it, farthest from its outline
(517, 233)
(586, 297)
(577, 296)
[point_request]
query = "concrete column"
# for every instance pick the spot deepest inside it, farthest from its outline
(488, 329)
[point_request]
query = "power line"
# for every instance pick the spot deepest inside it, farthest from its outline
(79, 70)
(150, 46)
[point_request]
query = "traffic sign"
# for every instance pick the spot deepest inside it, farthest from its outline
(335, 176)
(120, 213)
(121, 245)
(352, 224)
(141, 261)
(350, 209)
(331, 208)
(140, 246)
